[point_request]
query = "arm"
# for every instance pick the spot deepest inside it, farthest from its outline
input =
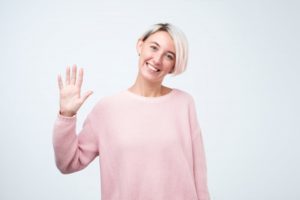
(199, 160)
(72, 152)
(200, 172)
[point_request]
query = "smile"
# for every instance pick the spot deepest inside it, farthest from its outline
(151, 67)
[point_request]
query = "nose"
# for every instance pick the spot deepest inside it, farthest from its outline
(157, 58)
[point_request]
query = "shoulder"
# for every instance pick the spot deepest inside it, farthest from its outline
(183, 95)
(106, 102)
(110, 99)
(185, 99)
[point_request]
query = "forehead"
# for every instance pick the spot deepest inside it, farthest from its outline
(163, 38)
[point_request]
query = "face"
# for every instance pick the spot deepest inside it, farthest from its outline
(157, 56)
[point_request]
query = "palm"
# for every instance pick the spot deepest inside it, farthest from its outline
(70, 97)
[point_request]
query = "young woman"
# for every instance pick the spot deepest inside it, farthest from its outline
(147, 137)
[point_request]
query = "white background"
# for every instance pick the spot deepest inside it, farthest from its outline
(243, 73)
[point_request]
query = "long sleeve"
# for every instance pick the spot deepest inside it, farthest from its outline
(147, 150)
(199, 160)
(73, 152)
(200, 171)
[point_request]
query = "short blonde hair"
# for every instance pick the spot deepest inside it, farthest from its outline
(180, 43)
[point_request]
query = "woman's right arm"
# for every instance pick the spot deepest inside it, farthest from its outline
(72, 152)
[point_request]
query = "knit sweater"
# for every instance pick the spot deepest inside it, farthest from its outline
(150, 148)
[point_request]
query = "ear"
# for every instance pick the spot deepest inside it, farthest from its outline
(139, 45)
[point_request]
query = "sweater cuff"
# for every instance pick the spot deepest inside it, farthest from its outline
(65, 118)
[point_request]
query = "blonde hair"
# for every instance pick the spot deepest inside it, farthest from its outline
(180, 43)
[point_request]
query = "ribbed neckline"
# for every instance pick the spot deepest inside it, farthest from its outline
(151, 99)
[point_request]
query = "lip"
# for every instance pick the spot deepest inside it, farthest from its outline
(152, 67)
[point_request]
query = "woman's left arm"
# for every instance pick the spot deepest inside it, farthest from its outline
(199, 159)
(200, 171)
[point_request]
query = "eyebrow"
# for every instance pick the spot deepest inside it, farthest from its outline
(171, 52)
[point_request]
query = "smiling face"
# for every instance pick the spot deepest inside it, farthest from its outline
(157, 56)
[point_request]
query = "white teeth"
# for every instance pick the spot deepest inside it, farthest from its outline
(152, 68)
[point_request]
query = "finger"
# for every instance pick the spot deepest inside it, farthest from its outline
(60, 83)
(80, 78)
(73, 75)
(68, 75)
(86, 95)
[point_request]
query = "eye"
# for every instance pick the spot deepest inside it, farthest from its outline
(153, 47)
(170, 57)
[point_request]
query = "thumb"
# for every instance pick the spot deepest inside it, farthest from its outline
(85, 96)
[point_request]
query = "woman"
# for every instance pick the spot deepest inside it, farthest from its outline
(147, 137)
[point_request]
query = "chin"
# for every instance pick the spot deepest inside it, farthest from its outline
(150, 77)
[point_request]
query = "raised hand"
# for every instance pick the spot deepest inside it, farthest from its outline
(70, 98)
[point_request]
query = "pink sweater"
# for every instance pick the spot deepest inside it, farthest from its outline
(150, 148)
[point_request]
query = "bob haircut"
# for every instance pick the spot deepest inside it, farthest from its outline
(180, 43)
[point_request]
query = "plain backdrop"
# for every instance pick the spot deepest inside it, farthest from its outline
(243, 73)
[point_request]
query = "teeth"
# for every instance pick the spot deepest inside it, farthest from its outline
(152, 68)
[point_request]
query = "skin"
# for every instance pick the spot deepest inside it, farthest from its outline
(158, 51)
(70, 92)
(156, 60)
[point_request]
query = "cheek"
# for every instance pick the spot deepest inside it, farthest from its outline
(143, 58)
(170, 65)
(146, 55)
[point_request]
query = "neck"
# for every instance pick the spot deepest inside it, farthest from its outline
(147, 89)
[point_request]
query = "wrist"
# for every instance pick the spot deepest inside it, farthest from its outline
(67, 114)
